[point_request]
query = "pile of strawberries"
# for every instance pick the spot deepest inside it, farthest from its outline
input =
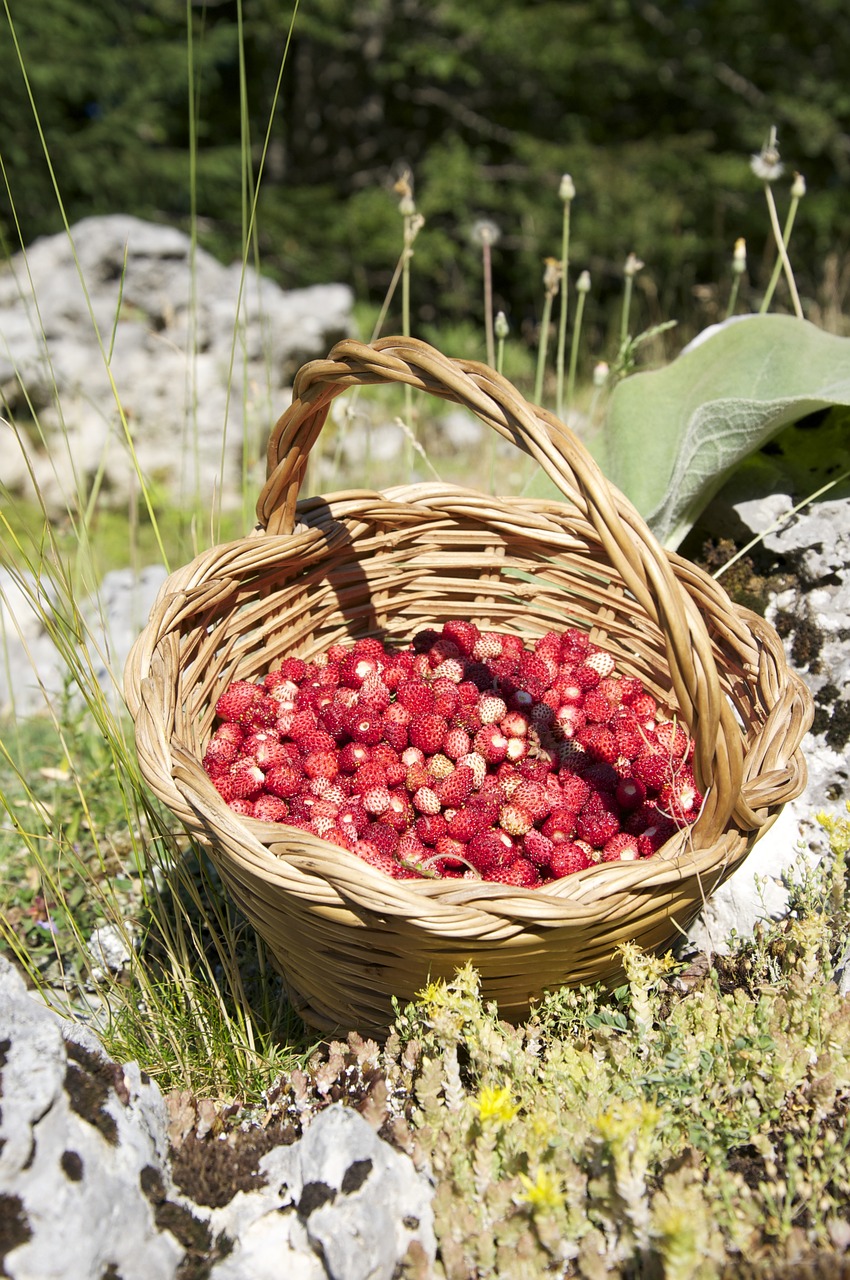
(466, 755)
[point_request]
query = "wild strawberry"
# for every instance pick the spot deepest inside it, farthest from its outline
(243, 781)
(291, 669)
(368, 852)
(321, 764)
(560, 826)
(644, 710)
(597, 708)
(333, 719)
(568, 688)
(598, 742)
(429, 827)
(597, 822)
(450, 669)
(574, 645)
(410, 848)
(449, 850)
(238, 700)
(416, 696)
(354, 669)
(537, 848)
(655, 835)
(427, 731)
(574, 790)
(382, 836)
(491, 743)
(569, 720)
(400, 812)
(330, 791)
(586, 676)
(600, 661)
(439, 766)
(490, 850)
(455, 788)
(370, 774)
(488, 645)
(672, 739)
(534, 797)
(219, 756)
(514, 724)
(621, 848)
(515, 820)
(630, 793)
(365, 727)
(491, 709)
(521, 873)
(477, 764)
(629, 738)
(353, 755)
(426, 800)
(395, 734)
(417, 776)
(374, 696)
(472, 820)
(463, 634)
(456, 743)
(245, 808)
(601, 777)
(568, 858)
(352, 814)
(284, 780)
(680, 797)
(651, 768)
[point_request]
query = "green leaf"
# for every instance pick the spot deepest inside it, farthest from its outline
(674, 435)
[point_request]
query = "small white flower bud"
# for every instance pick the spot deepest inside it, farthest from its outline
(567, 190)
(739, 256)
(583, 282)
(600, 373)
(501, 326)
(767, 165)
(633, 265)
(798, 186)
(551, 275)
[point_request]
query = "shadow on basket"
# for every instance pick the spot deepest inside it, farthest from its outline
(324, 572)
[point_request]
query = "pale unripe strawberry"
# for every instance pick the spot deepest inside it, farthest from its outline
(602, 663)
(426, 800)
(515, 820)
(491, 709)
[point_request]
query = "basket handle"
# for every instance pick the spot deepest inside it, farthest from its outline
(630, 548)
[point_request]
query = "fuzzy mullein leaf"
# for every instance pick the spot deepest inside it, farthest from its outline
(672, 436)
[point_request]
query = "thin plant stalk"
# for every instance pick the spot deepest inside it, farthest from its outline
(739, 266)
(582, 290)
(487, 267)
(798, 189)
(783, 252)
(551, 281)
(632, 267)
(567, 192)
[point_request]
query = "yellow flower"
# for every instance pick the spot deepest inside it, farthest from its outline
(495, 1105)
(541, 1193)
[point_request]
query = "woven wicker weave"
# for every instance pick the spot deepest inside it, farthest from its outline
(346, 937)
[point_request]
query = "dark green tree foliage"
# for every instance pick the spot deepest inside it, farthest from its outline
(654, 109)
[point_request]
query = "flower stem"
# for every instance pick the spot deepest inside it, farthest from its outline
(782, 259)
(562, 319)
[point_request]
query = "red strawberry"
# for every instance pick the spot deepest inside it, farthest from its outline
(243, 781)
(559, 827)
(491, 743)
(515, 820)
(416, 696)
(427, 731)
(450, 851)
(382, 836)
(651, 768)
(672, 739)
(597, 708)
(245, 808)
(568, 858)
(456, 743)
(368, 852)
(455, 788)
(586, 676)
(400, 812)
(574, 644)
(537, 848)
(352, 814)
(599, 742)
(535, 798)
(569, 720)
(353, 755)
(284, 780)
(463, 634)
(521, 873)
(630, 793)
(598, 821)
(621, 848)
(477, 764)
(426, 800)
(680, 797)
(356, 668)
(321, 764)
(490, 850)
(238, 700)
(365, 727)
(429, 827)
(219, 756)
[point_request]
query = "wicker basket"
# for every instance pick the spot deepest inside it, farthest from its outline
(346, 937)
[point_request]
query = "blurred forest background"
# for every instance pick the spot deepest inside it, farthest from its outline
(161, 108)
